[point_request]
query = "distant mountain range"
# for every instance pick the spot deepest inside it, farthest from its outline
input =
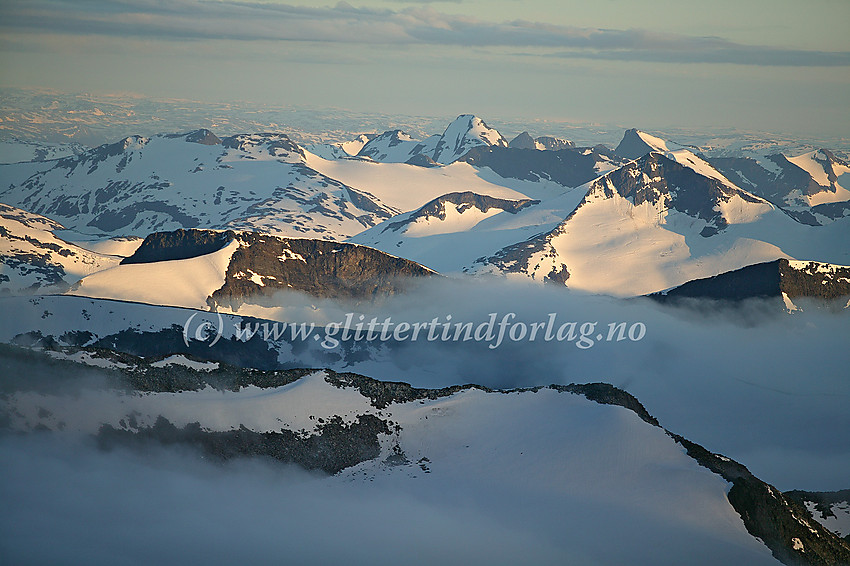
(644, 217)
(182, 272)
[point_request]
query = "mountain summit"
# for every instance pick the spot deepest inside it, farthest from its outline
(636, 143)
(464, 133)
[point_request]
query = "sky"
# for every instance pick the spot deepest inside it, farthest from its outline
(770, 65)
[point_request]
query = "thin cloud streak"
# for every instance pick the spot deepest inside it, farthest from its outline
(244, 21)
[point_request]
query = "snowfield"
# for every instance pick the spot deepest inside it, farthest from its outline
(557, 473)
(201, 401)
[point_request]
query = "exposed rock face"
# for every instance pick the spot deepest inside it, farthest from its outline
(265, 264)
(785, 526)
(814, 279)
(138, 186)
(830, 508)
(771, 279)
(464, 133)
(523, 141)
(203, 137)
(422, 160)
(333, 444)
(808, 185)
(567, 167)
(772, 185)
(636, 144)
(180, 244)
(333, 448)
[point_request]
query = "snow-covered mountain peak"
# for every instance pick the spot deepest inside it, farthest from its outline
(395, 146)
(203, 268)
(636, 143)
(453, 212)
(33, 259)
(353, 147)
(260, 146)
(202, 136)
(250, 181)
(683, 182)
(464, 133)
(553, 143)
(132, 143)
(525, 141)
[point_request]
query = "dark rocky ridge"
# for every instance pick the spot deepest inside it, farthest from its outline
(823, 500)
(778, 520)
(179, 244)
(422, 160)
(766, 280)
(771, 516)
(632, 146)
(523, 141)
(761, 280)
(201, 136)
(567, 167)
(653, 178)
(549, 143)
(786, 186)
(464, 200)
(317, 267)
(334, 447)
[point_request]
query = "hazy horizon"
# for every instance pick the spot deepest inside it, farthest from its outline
(768, 66)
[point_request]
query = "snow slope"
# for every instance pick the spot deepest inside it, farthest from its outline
(396, 146)
(560, 471)
(464, 133)
(828, 172)
(141, 185)
(406, 187)
(450, 232)
(654, 224)
(812, 184)
(33, 258)
(760, 383)
(16, 151)
(201, 269)
(181, 282)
